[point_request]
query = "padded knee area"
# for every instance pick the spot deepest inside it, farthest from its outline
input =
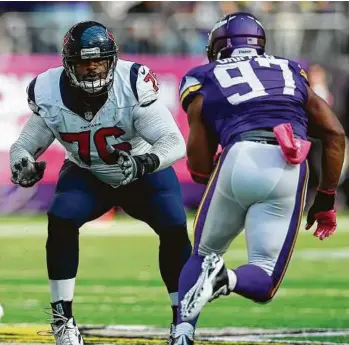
(62, 248)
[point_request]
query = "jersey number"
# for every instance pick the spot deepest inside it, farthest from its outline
(100, 141)
(248, 76)
(152, 77)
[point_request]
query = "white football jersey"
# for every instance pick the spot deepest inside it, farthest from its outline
(86, 139)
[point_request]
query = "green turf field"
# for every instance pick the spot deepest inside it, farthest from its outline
(119, 281)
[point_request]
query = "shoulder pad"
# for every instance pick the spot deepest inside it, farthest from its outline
(144, 84)
(31, 97)
(190, 86)
(43, 91)
(299, 71)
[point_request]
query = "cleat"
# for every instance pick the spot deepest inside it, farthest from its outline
(212, 283)
(183, 340)
(171, 337)
(65, 331)
(184, 334)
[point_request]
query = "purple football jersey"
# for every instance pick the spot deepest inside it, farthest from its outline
(244, 93)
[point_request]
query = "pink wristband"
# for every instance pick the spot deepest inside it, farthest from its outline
(197, 173)
(328, 191)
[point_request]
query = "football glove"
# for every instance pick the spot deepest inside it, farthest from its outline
(27, 173)
(322, 211)
(134, 167)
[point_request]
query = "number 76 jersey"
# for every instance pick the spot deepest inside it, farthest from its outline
(244, 93)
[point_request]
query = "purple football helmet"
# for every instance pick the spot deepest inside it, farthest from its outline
(234, 31)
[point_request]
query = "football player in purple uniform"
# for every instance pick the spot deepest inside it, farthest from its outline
(260, 109)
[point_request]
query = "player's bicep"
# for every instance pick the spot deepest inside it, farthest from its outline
(154, 121)
(201, 145)
(322, 120)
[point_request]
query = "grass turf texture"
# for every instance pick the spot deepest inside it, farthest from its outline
(327, 339)
(119, 283)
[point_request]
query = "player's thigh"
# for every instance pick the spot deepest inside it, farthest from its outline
(219, 217)
(79, 196)
(156, 199)
(272, 226)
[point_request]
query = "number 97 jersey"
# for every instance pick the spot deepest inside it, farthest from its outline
(244, 93)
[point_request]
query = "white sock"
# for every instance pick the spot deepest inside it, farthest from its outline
(232, 279)
(174, 298)
(62, 289)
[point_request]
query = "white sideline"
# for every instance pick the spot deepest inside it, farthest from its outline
(116, 227)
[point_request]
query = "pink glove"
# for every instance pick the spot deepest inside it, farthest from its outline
(323, 213)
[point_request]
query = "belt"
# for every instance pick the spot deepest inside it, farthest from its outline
(259, 136)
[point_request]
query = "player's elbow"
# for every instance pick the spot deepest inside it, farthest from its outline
(182, 149)
(335, 134)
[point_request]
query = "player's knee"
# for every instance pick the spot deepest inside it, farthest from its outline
(70, 206)
(263, 299)
(61, 230)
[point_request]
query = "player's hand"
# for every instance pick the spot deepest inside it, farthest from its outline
(322, 211)
(27, 173)
(134, 167)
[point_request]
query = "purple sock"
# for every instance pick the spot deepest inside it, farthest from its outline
(189, 275)
(253, 283)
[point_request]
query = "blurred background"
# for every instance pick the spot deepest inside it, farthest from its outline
(170, 37)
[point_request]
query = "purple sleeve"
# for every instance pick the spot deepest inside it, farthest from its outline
(301, 79)
(190, 86)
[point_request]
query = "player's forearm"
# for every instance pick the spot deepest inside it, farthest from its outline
(34, 139)
(333, 147)
(169, 148)
(324, 125)
(156, 125)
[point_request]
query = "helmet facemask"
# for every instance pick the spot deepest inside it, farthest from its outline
(100, 85)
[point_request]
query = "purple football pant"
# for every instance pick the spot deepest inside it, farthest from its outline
(252, 188)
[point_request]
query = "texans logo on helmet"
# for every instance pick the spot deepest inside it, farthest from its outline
(110, 35)
(66, 38)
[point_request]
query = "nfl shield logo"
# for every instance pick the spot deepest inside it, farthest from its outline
(88, 115)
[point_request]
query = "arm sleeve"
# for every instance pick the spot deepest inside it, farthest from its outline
(33, 141)
(156, 125)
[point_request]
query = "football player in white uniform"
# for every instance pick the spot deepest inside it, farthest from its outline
(120, 143)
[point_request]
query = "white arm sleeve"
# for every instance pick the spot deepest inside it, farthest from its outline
(155, 124)
(33, 141)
